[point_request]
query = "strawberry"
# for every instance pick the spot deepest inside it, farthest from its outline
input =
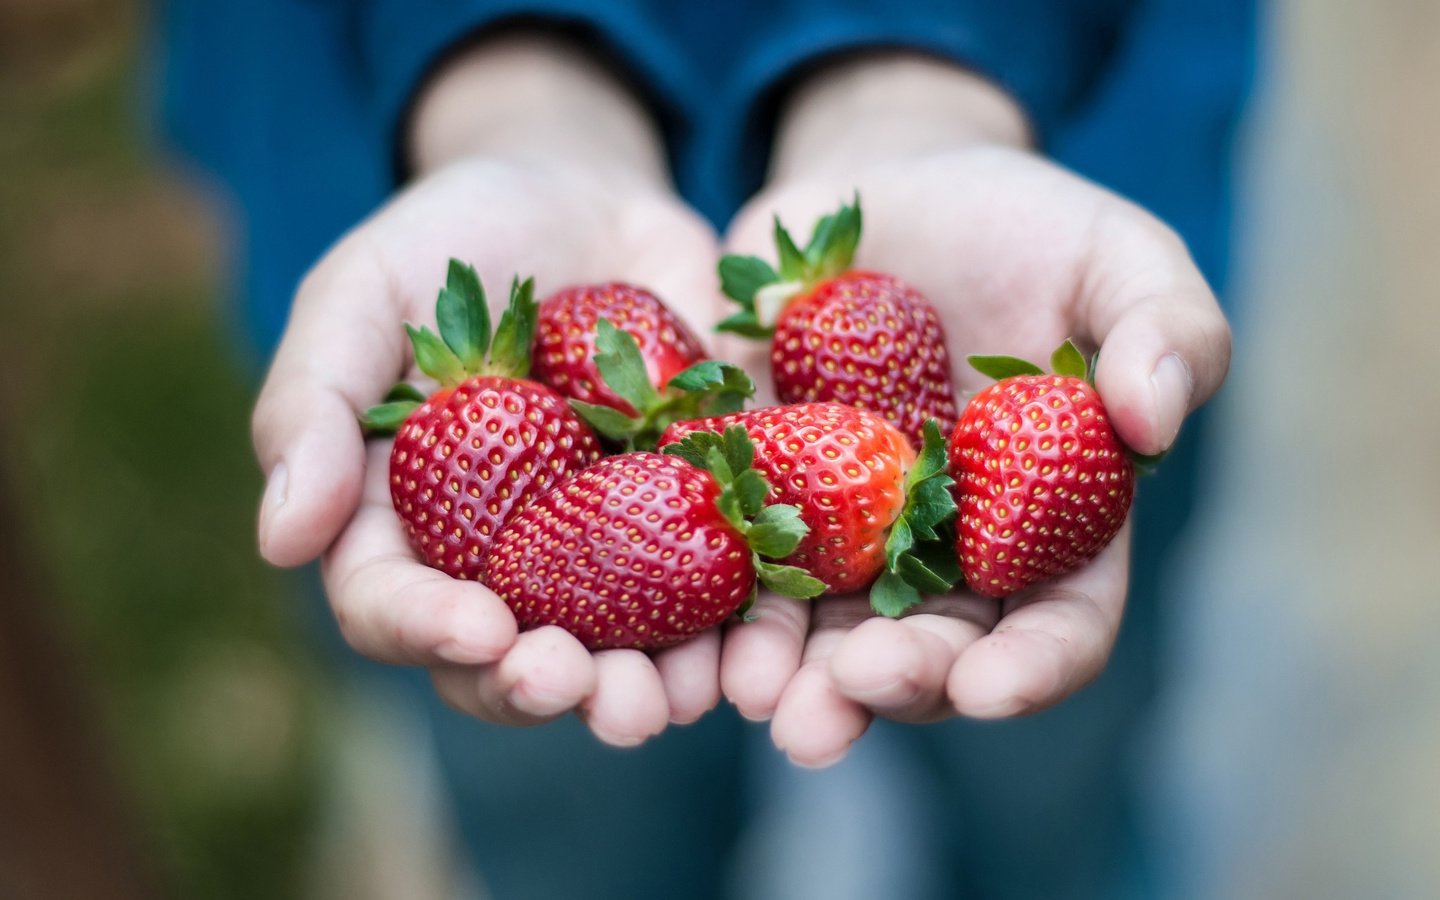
(564, 352)
(860, 489)
(643, 550)
(706, 388)
(862, 338)
(1041, 480)
(487, 441)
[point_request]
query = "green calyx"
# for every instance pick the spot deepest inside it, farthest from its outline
(465, 346)
(920, 551)
(763, 292)
(772, 530)
(708, 388)
(1069, 361)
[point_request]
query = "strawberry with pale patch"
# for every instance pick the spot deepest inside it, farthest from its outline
(844, 335)
(644, 550)
(874, 509)
(1042, 481)
(488, 440)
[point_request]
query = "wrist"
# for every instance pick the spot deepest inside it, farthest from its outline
(539, 101)
(885, 107)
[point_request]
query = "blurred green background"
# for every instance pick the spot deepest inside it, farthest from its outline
(127, 455)
(154, 685)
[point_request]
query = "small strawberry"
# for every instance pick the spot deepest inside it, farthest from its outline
(861, 338)
(866, 498)
(642, 550)
(707, 388)
(564, 351)
(487, 441)
(1041, 480)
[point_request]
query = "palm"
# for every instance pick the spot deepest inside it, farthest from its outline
(1017, 255)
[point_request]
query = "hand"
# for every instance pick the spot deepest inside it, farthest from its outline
(561, 177)
(1017, 254)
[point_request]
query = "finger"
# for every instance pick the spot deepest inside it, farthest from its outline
(394, 609)
(629, 703)
(815, 723)
(1053, 639)
(546, 674)
(690, 674)
(899, 667)
(342, 349)
(1164, 342)
(758, 657)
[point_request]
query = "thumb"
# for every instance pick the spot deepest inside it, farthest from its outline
(341, 350)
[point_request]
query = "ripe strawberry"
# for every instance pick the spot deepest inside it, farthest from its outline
(859, 487)
(861, 338)
(707, 388)
(485, 443)
(1041, 480)
(564, 351)
(642, 550)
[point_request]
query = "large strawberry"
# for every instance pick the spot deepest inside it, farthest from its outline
(565, 350)
(872, 506)
(862, 338)
(643, 550)
(488, 440)
(1041, 480)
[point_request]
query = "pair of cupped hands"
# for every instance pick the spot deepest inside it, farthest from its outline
(1016, 253)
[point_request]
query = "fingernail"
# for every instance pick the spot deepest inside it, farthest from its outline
(1173, 386)
(276, 490)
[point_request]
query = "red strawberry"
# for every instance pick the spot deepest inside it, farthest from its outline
(860, 489)
(565, 349)
(487, 441)
(861, 338)
(642, 550)
(1041, 480)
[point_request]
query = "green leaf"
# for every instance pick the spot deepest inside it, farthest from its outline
(729, 505)
(789, 581)
(608, 421)
(891, 595)
(709, 374)
(622, 367)
(742, 276)
(744, 324)
(751, 488)
(694, 448)
(939, 560)
(792, 261)
(900, 540)
(387, 418)
(1068, 360)
(434, 358)
(510, 352)
(1146, 464)
(1001, 367)
(463, 316)
(404, 390)
(739, 449)
(832, 244)
(716, 465)
(1094, 364)
(928, 500)
(777, 531)
(919, 576)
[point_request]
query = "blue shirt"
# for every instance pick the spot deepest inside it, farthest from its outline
(295, 105)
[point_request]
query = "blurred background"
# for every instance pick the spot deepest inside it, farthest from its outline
(159, 709)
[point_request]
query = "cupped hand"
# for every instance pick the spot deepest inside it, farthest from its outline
(1017, 254)
(344, 346)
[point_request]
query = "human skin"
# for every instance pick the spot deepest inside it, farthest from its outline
(1017, 254)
